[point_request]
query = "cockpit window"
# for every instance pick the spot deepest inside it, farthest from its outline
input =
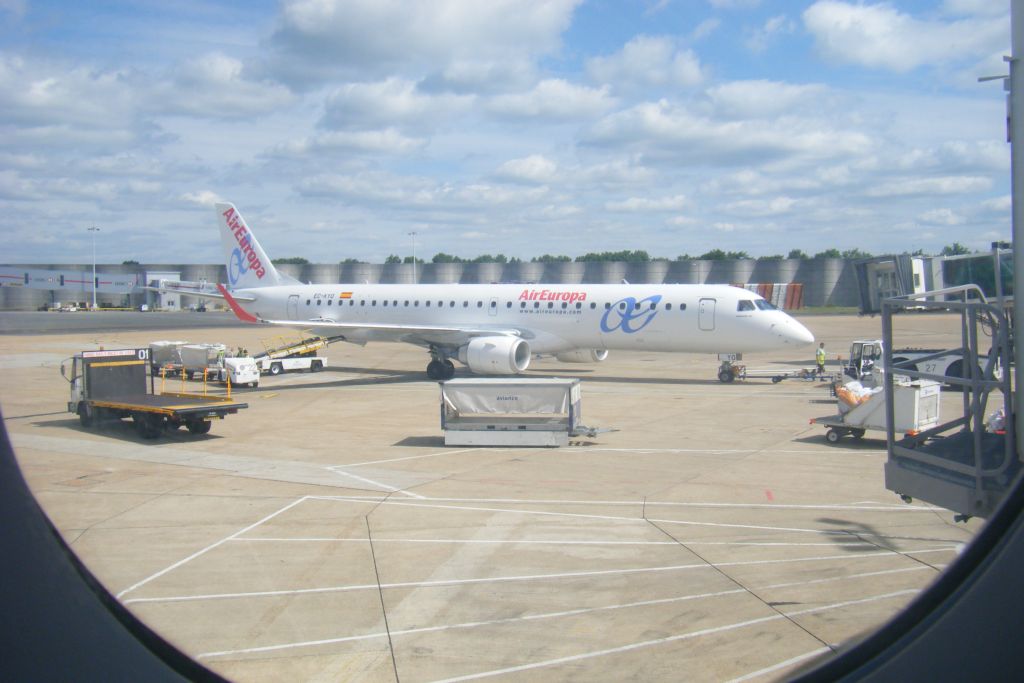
(766, 305)
(744, 305)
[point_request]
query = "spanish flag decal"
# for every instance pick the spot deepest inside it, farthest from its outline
(345, 295)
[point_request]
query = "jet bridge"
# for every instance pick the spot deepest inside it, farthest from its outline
(963, 464)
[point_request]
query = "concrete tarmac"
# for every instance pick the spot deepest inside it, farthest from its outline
(326, 533)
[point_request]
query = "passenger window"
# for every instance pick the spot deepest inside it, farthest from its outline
(494, 304)
(465, 304)
(522, 304)
(319, 302)
(607, 305)
(508, 305)
(536, 304)
(682, 307)
(578, 305)
(406, 302)
(307, 302)
(373, 303)
(564, 305)
(351, 302)
(551, 304)
(394, 303)
(744, 305)
(593, 305)
(622, 306)
(654, 305)
(451, 304)
(428, 304)
(385, 302)
(362, 302)
(668, 307)
(479, 304)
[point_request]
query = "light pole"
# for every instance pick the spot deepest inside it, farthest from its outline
(93, 230)
(413, 234)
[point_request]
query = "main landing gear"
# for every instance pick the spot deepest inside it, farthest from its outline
(439, 367)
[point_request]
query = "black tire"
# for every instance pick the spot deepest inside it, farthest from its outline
(449, 369)
(435, 370)
(147, 425)
(832, 436)
(276, 369)
(776, 380)
(316, 366)
(857, 434)
(725, 376)
(199, 426)
(84, 416)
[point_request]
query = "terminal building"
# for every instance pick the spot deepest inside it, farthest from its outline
(788, 283)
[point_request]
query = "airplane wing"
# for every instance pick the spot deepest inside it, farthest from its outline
(424, 335)
(193, 289)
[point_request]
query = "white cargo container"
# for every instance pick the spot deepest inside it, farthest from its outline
(165, 354)
(481, 411)
(915, 409)
(195, 358)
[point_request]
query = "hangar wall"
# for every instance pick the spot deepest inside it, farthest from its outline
(826, 281)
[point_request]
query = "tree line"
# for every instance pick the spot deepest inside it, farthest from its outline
(637, 256)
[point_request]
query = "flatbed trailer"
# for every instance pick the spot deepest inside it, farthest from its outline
(115, 385)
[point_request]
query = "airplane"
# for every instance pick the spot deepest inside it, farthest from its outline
(496, 329)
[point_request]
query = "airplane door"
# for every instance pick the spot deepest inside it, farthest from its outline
(493, 308)
(706, 314)
(293, 307)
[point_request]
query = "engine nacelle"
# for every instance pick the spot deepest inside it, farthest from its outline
(582, 356)
(496, 355)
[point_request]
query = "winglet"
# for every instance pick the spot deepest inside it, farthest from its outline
(236, 307)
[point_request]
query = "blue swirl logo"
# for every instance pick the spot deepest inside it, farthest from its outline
(237, 266)
(625, 314)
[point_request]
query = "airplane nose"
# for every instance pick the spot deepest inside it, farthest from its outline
(792, 332)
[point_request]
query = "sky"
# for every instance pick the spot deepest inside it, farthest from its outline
(339, 127)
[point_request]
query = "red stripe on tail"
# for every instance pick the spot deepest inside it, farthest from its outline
(240, 312)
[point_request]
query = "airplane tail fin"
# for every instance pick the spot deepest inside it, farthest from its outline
(248, 265)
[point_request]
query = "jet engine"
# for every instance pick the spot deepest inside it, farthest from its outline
(582, 356)
(496, 355)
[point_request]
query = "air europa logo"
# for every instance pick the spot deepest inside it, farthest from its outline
(243, 257)
(625, 313)
(551, 295)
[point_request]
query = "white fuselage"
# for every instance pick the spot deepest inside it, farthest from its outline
(552, 318)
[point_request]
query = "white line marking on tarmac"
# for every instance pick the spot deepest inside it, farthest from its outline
(488, 622)
(877, 507)
(386, 487)
(522, 577)
(547, 615)
(246, 539)
(781, 665)
(208, 548)
(411, 457)
(668, 639)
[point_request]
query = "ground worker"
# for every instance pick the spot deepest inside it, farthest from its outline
(819, 358)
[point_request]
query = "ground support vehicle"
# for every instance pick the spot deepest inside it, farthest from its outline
(292, 356)
(478, 411)
(865, 354)
(916, 409)
(114, 384)
(736, 371)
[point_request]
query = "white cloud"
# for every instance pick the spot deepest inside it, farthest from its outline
(553, 99)
(391, 101)
(215, 85)
(760, 39)
(648, 61)
(204, 198)
(532, 169)
(763, 99)
(316, 38)
(648, 204)
(941, 217)
(664, 130)
(880, 36)
(945, 185)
